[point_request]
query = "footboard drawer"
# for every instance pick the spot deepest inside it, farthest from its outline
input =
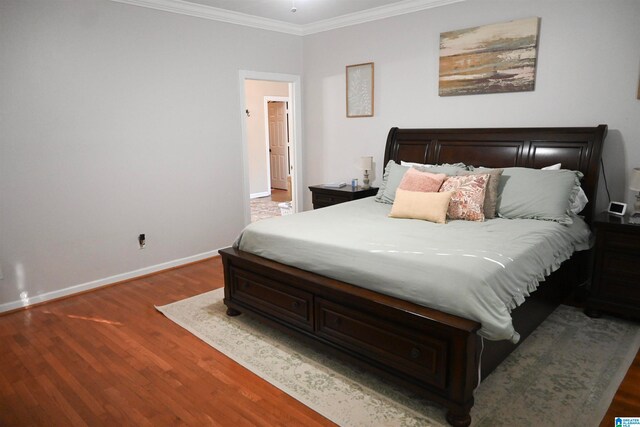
(402, 349)
(272, 298)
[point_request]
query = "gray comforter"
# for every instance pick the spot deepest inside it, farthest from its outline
(476, 270)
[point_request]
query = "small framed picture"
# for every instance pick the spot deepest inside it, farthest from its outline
(360, 90)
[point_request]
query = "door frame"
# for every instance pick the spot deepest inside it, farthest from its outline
(295, 116)
(266, 131)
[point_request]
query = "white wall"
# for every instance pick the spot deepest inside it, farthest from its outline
(117, 120)
(255, 91)
(588, 68)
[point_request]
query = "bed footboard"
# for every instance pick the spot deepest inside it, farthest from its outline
(431, 352)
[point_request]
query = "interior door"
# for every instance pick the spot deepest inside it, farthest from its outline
(277, 112)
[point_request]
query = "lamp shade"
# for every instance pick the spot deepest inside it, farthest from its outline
(366, 163)
(634, 185)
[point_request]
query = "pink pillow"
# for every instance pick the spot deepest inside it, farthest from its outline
(414, 180)
(467, 201)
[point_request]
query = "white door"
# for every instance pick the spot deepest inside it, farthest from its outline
(278, 155)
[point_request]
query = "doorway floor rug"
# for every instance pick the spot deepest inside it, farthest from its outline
(263, 208)
(565, 373)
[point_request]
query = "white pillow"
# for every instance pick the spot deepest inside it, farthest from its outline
(581, 199)
(411, 164)
(555, 167)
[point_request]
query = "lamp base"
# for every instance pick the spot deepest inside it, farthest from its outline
(365, 181)
(636, 206)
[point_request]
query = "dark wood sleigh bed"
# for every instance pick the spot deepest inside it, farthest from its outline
(433, 353)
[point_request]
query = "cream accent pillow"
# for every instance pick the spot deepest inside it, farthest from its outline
(420, 205)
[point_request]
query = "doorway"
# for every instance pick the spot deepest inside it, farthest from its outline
(271, 162)
(270, 141)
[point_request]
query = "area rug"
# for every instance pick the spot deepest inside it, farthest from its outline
(263, 208)
(565, 373)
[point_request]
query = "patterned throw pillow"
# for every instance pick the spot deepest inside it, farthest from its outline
(491, 192)
(414, 180)
(467, 201)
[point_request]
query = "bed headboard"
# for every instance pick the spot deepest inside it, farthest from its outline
(577, 148)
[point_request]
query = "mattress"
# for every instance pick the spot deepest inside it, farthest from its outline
(476, 270)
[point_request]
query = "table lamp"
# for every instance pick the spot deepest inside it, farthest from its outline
(634, 185)
(366, 164)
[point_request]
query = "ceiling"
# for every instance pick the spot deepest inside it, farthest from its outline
(311, 16)
(308, 11)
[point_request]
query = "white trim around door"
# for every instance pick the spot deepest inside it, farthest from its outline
(295, 124)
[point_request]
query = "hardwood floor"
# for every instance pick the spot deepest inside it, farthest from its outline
(626, 402)
(280, 195)
(108, 357)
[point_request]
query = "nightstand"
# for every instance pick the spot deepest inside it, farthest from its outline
(326, 196)
(615, 287)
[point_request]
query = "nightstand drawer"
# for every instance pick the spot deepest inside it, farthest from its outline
(621, 290)
(615, 287)
(622, 265)
(327, 199)
(623, 241)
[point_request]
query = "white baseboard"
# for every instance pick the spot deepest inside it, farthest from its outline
(256, 195)
(103, 282)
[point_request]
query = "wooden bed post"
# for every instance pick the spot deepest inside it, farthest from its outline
(463, 382)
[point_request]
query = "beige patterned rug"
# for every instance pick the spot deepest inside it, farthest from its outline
(565, 373)
(264, 207)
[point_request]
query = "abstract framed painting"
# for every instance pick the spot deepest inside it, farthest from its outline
(489, 59)
(360, 90)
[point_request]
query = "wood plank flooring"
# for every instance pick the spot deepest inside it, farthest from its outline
(107, 357)
(626, 402)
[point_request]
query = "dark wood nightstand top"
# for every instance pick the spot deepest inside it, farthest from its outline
(615, 221)
(346, 189)
(323, 196)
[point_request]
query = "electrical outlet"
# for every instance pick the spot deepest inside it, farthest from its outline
(142, 241)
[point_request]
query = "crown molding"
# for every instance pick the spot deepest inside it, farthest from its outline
(381, 12)
(216, 14)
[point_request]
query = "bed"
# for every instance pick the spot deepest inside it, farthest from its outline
(428, 350)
